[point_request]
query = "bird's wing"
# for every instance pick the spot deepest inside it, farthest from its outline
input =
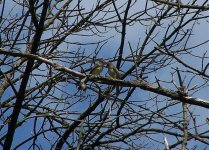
(116, 72)
(94, 68)
(97, 69)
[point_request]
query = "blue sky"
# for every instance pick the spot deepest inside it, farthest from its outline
(134, 33)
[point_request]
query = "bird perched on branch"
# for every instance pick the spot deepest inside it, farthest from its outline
(96, 70)
(113, 71)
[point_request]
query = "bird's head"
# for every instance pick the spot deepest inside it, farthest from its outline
(101, 61)
(109, 64)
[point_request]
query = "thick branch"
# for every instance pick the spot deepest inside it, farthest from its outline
(181, 5)
(175, 95)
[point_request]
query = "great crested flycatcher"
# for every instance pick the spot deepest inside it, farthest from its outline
(114, 73)
(96, 70)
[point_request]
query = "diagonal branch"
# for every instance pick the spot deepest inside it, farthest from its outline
(175, 95)
(177, 4)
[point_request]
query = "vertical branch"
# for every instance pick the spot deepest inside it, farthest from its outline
(185, 110)
(185, 125)
(2, 10)
(21, 93)
(166, 143)
(123, 34)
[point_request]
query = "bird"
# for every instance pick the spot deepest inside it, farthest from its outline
(95, 70)
(113, 71)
